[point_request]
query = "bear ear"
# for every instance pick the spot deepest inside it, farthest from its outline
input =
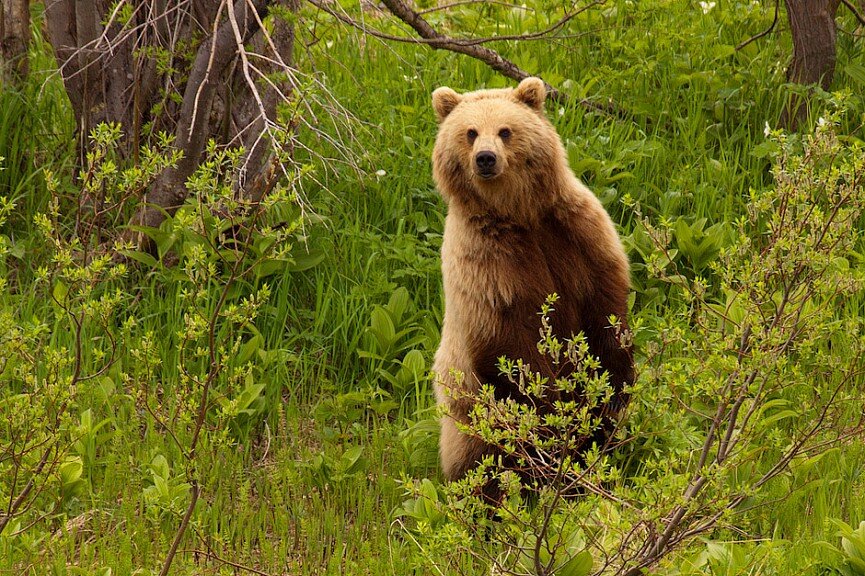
(444, 101)
(531, 92)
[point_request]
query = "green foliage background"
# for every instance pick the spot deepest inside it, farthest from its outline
(326, 405)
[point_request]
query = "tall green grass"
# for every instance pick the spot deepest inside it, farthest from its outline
(694, 113)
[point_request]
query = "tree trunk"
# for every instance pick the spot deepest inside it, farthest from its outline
(15, 40)
(812, 25)
(205, 79)
(201, 70)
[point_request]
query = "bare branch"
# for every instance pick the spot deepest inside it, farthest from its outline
(211, 61)
(473, 47)
(765, 32)
(855, 11)
(469, 3)
(194, 492)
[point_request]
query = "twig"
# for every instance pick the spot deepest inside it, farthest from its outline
(764, 32)
(472, 47)
(16, 504)
(213, 556)
(181, 530)
(470, 2)
(855, 12)
(214, 369)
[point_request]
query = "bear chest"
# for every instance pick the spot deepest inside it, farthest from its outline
(496, 269)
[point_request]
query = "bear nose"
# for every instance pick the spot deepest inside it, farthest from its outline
(486, 161)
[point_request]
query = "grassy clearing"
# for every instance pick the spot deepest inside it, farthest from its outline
(311, 484)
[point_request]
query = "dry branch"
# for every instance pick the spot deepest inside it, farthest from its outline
(196, 69)
(211, 61)
(852, 7)
(473, 47)
(765, 32)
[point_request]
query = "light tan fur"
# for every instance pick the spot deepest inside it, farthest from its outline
(485, 276)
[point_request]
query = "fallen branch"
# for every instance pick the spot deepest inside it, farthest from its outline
(443, 7)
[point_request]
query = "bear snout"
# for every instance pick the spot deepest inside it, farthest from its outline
(486, 161)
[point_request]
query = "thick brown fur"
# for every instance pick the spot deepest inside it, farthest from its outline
(525, 229)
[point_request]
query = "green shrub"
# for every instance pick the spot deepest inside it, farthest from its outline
(739, 382)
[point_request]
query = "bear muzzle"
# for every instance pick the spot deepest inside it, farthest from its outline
(487, 164)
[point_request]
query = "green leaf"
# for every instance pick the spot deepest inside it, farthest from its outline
(249, 396)
(414, 363)
(142, 257)
(249, 348)
(781, 415)
(105, 387)
(768, 149)
(70, 472)
(720, 51)
(428, 490)
(382, 328)
(163, 239)
(856, 72)
(270, 266)
(304, 259)
(368, 354)
(579, 565)
(159, 467)
(161, 486)
(59, 292)
(350, 461)
(398, 303)
(18, 250)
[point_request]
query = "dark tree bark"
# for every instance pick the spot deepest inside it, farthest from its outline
(197, 69)
(211, 62)
(812, 25)
(15, 40)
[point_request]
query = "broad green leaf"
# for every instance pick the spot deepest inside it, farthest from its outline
(382, 327)
(856, 72)
(249, 348)
(60, 292)
(304, 259)
(414, 362)
(579, 565)
(142, 257)
(70, 472)
(350, 461)
(398, 303)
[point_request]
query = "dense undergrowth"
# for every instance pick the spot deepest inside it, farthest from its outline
(316, 452)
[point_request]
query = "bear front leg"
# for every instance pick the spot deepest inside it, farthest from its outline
(455, 384)
(459, 452)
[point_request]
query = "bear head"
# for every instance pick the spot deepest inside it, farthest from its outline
(496, 151)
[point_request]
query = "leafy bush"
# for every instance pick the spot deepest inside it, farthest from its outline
(89, 343)
(739, 382)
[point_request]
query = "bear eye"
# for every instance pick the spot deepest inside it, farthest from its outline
(472, 134)
(505, 133)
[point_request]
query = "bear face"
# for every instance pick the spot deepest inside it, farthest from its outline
(494, 146)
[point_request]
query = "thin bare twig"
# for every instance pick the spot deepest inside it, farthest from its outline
(473, 47)
(184, 524)
(214, 556)
(855, 11)
(471, 2)
(765, 32)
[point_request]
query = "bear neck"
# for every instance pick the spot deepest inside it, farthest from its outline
(522, 203)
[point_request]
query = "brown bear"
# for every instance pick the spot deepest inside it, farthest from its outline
(520, 226)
